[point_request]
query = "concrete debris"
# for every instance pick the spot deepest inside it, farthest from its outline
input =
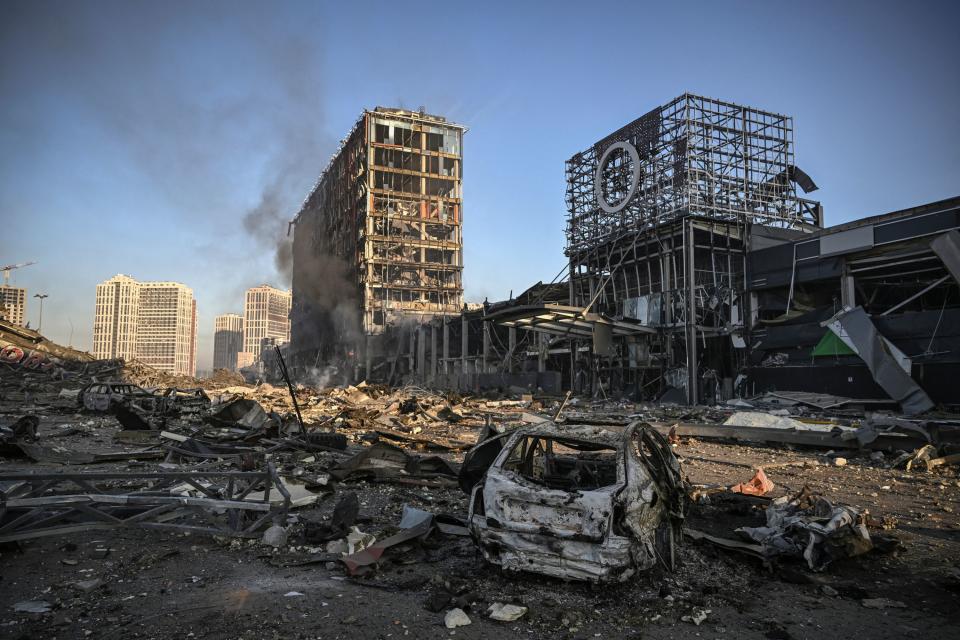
(33, 606)
(506, 612)
(275, 536)
(882, 603)
(373, 491)
(696, 617)
(770, 420)
(358, 540)
(455, 618)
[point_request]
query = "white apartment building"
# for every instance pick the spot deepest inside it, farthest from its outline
(13, 304)
(154, 322)
(115, 319)
(266, 314)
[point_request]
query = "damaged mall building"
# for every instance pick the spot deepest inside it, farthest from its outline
(699, 270)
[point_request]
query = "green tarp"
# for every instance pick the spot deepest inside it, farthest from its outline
(831, 345)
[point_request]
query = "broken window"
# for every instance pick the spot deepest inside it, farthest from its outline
(439, 187)
(562, 464)
(434, 141)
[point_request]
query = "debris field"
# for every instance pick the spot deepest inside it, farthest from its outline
(218, 512)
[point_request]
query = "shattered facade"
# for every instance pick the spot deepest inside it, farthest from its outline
(154, 322)
(378, 240)
(864, 309)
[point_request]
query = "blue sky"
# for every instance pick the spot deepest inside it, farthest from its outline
(137, 137)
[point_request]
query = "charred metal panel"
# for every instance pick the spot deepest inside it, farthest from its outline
(883, 362)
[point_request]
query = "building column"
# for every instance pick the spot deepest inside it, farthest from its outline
(446, 347)
(689, 273)
(464, 343)
(433, 351)
(367, 357)
(542, 347)
(486, 346)
(848, 291)
(512, 341)
(412, 351)
(421, 353)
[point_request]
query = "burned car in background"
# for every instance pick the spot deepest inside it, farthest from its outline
(184, 401)
(108, 396)
(576, 502)
(104, 396)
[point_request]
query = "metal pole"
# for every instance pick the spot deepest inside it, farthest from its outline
(40, 322)
(691, 313)
(293, 396)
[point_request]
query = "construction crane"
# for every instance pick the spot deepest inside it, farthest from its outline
(10, 267)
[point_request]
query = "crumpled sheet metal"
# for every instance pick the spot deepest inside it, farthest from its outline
(241, 412)
(811, 527)
(611, 560)
(384, 462)
(884, 361)
(371, 555)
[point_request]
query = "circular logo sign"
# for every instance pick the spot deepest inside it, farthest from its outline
(617, 177)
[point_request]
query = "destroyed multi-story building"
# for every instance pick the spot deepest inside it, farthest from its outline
(153, 322)
(227, 340)
(266, 317)
(13, 304)
(378, 239)
(697, 268)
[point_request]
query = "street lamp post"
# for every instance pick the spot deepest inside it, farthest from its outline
(41, 296)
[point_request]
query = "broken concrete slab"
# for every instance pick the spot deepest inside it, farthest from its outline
(506, 612)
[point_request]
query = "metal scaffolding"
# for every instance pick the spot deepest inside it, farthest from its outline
(694, 155)
(659, 219)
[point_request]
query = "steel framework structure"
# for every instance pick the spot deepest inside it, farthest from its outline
(694, 155)
(658, 224)
(35, 505)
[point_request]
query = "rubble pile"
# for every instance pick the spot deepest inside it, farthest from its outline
(109, 489)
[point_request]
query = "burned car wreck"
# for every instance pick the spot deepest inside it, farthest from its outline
(575, 502)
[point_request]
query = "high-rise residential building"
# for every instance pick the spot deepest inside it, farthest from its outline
(153, 322)
(115, 322)
(227, 340)
(13, 304)
(266, 314)
(166, 327)
(379, 237)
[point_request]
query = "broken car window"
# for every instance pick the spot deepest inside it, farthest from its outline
(564, 465)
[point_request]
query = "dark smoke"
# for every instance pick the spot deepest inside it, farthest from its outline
(194, 118)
